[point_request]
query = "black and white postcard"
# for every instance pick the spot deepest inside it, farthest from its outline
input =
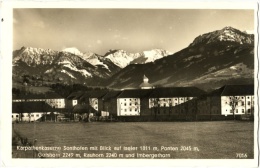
(129, 84)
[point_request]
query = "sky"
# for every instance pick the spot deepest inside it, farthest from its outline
(132, 30)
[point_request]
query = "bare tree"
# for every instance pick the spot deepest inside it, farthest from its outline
(233, 102)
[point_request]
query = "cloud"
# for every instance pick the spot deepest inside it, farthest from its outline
(99, 42)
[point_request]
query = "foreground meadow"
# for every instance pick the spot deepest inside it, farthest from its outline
(176, 140)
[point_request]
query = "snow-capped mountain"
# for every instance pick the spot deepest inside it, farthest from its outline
(122, 58)
(213, 59)
(227, 34)
(57, 66)
(73, 50)
(151, 56)
(71, 64)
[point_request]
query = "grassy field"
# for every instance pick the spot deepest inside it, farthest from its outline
(204, 140)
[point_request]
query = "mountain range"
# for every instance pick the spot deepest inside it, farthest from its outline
(213, 59)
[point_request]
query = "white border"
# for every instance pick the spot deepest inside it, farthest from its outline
(6, 84)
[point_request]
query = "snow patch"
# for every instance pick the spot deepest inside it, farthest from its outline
(72, 67)
(73, 50)
(64, 71)
(192, 57)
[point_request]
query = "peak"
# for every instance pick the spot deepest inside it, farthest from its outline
(227, 34)
(72, 50)
(229, 28)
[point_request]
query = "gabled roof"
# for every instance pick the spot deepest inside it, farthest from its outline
(75, 95)
(24, 107)
(111, 94)
(98, 94)
(135, 93)
(176, 92)
(232, 90)
(93, 94)
(48, 95)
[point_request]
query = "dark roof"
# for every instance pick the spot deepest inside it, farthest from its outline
(177, 92)
(23, 107)
(75, 95)
(98, 94)
(48, 95)
(232, 90)
(111, 94)
(135, 93)
(93, 94)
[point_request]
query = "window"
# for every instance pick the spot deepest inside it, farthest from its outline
(125, 99)
(248, 97)
(231, 111)
(242, 97)
(236, 110)
(170, 99)
(12, 116)
(249, 110)
(125, 110)
(32, 115)
(243, 111)
(175, 99)
(37, 115)
(136, 109)
(176, 104)
(164, 104)
(248, 103)
(22, 115)
(16, 116)
(130, 104)
(125, 104)
(130, 99)
(242, 103)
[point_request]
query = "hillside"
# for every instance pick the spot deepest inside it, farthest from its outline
(213, 59)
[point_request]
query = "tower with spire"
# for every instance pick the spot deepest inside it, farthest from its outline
(146, 84)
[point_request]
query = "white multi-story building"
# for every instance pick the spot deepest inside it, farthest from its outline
(130, 102)
(240, 97)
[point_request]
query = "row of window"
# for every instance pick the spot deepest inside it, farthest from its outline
(32, 115)
(242, 103)
(163, 99)
(131, 99)
(242, 111)
(130, 104)
(135, 110)
(236, 97)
